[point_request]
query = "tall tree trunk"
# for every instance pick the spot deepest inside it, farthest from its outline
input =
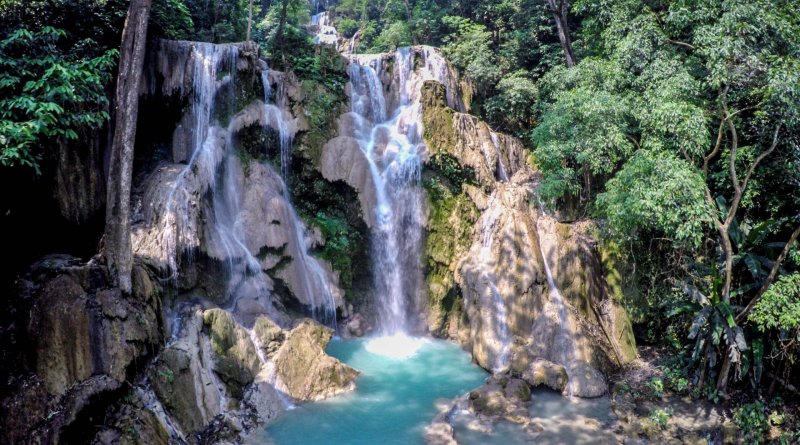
(249, 20)
(118, 201)
(560, 12)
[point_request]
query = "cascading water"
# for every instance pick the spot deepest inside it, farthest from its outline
(392, 143)
(207, 59)
(325, 33)
(500, 319)
(502, 174)
(563, 342)
(313, 279)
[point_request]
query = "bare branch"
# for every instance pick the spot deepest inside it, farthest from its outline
(683, 44)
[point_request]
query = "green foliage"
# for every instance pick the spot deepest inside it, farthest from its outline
(779, 308)
(451, 171)
(660, 417)
(172, 18)
(394, 36)
(751, 418)
(166, 375)
(656, 387)
(469, 49)
(514, 102)
(656, 191)
(49, 93)
(216, 21)
(340, 244)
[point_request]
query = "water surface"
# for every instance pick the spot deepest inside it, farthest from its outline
(395, 397)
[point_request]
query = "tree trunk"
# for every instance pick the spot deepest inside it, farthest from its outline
(249, 20)
(118, 202)
(560, 12)
(727, 249)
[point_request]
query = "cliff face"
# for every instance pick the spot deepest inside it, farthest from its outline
(86, 339)
(495, 259)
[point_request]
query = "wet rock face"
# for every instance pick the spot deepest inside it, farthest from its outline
(503, 305)
(305, 370)
(87, 338)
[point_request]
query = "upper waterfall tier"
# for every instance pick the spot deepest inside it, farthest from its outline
(211, 203)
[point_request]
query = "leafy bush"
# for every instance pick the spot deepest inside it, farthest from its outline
(50, 92)
(751, 418)
(660, 417)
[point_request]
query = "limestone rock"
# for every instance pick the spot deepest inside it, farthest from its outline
(344, 160)
(304, 368)
(585, 381)
(183, 379)
(542, 372)
(270, 336)
(235, 361)
(86, 335)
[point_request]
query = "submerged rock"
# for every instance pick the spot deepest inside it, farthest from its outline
(306, 371)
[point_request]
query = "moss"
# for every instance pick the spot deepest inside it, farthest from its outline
(437, 118)
(321, 106)
(334, 208)
(221, 327)
(451, 220)
(235, 360)
(619, 289)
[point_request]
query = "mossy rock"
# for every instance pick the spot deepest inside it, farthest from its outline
(236, 360)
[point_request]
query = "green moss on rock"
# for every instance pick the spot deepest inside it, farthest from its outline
(235, 361)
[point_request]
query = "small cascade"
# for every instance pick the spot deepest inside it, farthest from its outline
(325, 32)
(500, 319)
(313, 279)
(207, 61)
(268, 372)
(502, 174)
(564, 342)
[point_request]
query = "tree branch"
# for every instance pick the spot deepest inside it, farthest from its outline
(683, 44)
(771, 277)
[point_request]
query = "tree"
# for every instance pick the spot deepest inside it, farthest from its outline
(49, 95)
(118, 220)
(560, 11)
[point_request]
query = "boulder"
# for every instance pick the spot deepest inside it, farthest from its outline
(235, 358)
(542, 372)
(306, 371)
(270, 336)
(183, 380)
(585, 381)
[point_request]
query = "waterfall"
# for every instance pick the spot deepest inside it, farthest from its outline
(564, 342)
(500, 319)
(392, 143)
(206, 60)
(501, 167)
(313, 280)
(391, 140)
(325, 33)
